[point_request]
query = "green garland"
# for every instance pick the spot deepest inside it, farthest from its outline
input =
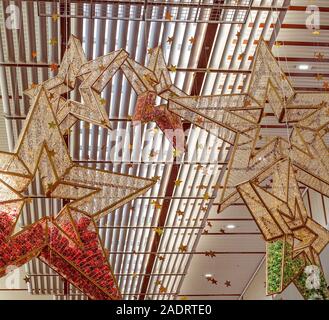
(276, 280)
(312, 294)
(292, 267)
(274, 266)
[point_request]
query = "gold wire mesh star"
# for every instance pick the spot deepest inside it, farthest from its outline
(280, 214)
(92, 193)
(236, 120)
(94, 76)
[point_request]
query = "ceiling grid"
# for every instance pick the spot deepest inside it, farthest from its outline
(128, 233)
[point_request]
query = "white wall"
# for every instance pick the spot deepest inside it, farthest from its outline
(13, 287)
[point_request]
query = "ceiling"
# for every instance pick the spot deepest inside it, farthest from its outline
(216, 61)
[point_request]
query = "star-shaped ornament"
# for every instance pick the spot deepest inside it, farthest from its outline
(238, 124)
(227, 283)
(53, 41)
(319, 56)
(182, 248)
(158, 231)
(162, 289)
(210, 254)
(94, 76)
(55, 17)
(191, 40)
(168, 16)
(172, 68)
(156, 204)
(178, 182)
(280, 214)
(319, 77)
(92, 193)
(170, 40)
(54, 67)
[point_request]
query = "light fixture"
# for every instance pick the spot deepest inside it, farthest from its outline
(303, 67)
(230, 226)
(208, 275)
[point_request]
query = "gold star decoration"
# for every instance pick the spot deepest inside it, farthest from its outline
(206, 196)
(212, 280)
(178, 182)
(33, 54)
(53, 41)
(172, 68)
(210, 254)
(150, 50)
(319, 77)
(191, 40)
(162, 289)
(156, 204)
(27, 279)
(319, 56)
(326, 85)
(101, 67)
(161, 258)
(170, 40)
(54, 17)
(153, 153)
(198, 167)
(51, 153)
(180, 212)
(158, 283)
(168, 16)
(93, 193)
(176, 153)
(54, 67)
(52, 125)
(94, 76)
(227, 283)
(158, 231)
(182, 248)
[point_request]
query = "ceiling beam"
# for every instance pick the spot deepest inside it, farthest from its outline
(208, 42)
(298, 43)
